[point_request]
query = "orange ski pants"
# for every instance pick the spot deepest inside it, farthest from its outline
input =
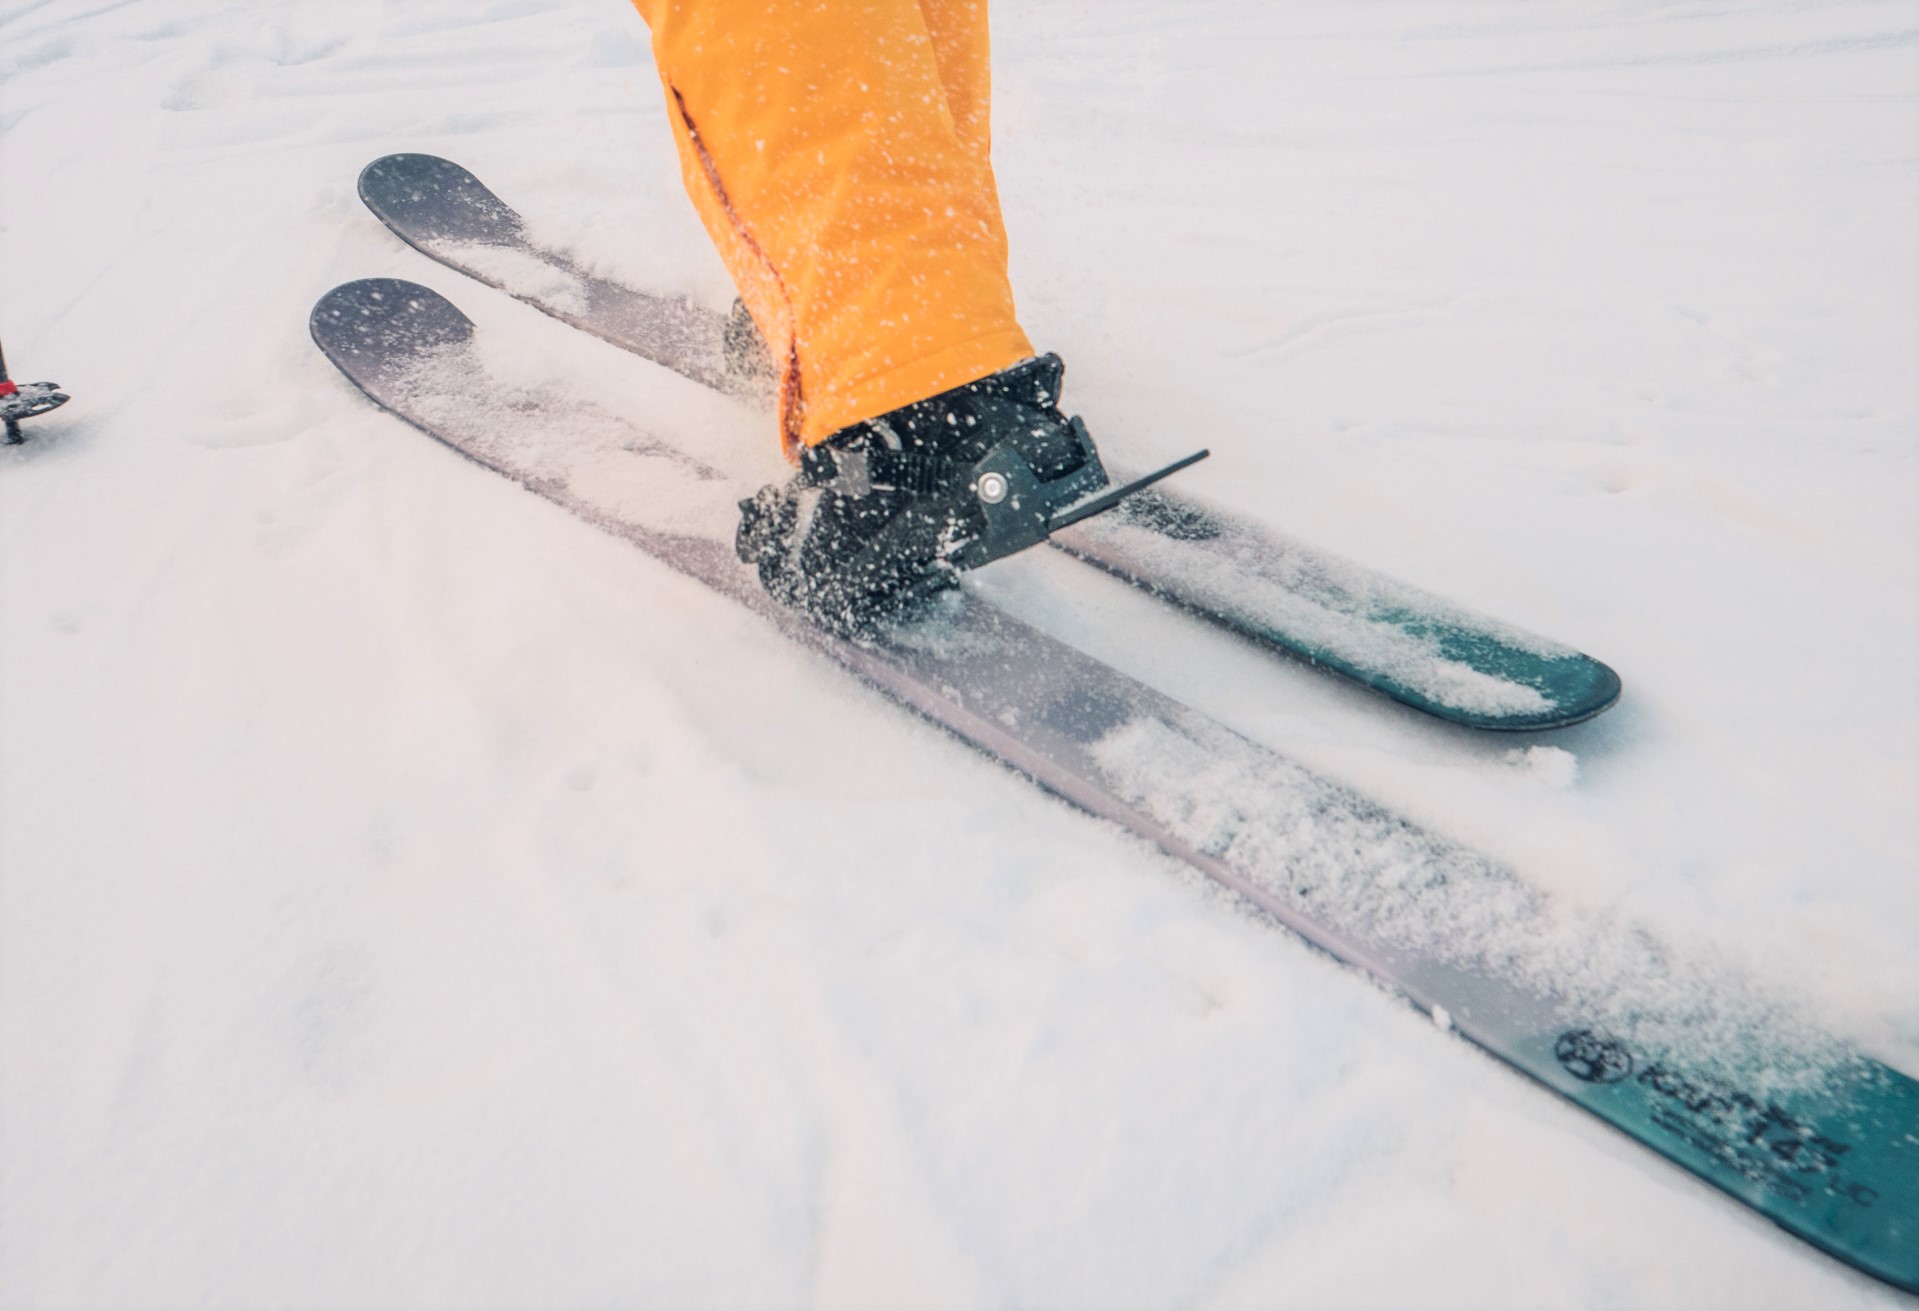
(838, 152)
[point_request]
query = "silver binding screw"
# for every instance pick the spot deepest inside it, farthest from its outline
(992, 488)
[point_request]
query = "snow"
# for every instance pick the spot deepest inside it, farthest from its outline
(411, 896)
(1553, 767)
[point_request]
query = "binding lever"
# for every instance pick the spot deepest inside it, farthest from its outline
(1022, 511)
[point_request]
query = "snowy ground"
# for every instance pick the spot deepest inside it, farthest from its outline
(411, 897)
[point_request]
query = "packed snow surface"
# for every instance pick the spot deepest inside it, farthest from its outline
(411, 896)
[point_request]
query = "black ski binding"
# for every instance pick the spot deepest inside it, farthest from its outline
(891, 511)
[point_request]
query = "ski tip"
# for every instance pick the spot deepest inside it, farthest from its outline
(390, 176)
(384, 319)
(1574, 689)
(426, 199)
(1602, 695)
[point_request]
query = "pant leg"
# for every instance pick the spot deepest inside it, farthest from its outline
(854, 209)
(961, 50)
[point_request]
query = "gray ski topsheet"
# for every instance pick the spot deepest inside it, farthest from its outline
(1693, 1062)
(1396, 639)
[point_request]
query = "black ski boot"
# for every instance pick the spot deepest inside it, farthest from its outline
(894, 509)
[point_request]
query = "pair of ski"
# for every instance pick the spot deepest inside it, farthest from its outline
(1739, 1090)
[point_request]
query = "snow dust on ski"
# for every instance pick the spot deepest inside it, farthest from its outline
(410, 896)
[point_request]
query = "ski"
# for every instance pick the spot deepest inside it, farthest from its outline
(1395, 639)
(1740, 1090)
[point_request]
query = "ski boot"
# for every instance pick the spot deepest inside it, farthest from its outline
(892, 510)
